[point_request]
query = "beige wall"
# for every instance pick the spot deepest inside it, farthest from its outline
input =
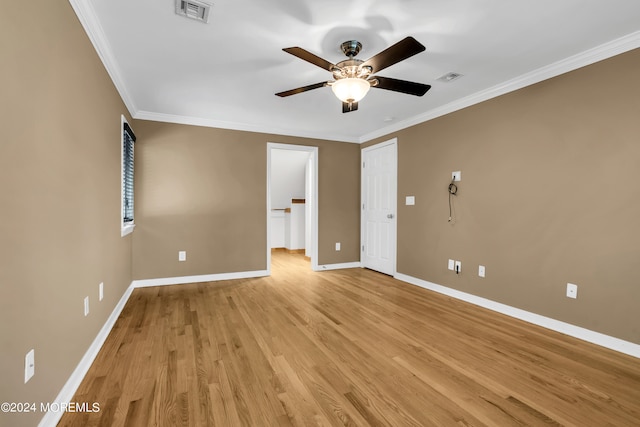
(550, 194)
(204, 191)
(59, 224)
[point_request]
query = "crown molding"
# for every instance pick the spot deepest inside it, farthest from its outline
(89, 20)
(198, 121)
(588, 57)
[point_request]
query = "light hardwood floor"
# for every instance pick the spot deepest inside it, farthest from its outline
(344, 347)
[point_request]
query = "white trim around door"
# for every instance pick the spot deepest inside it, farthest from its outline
(313, 209)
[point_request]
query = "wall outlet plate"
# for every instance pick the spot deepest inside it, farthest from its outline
(86, 306)
(481, 270)
(338, 246)
(572, 290)
(182, 255)
(456, 176)
(458, 266)
(410, 200)
(451, 265)
(101, 291)
(29, 365)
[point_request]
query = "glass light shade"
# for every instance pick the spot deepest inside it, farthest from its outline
(350, 89)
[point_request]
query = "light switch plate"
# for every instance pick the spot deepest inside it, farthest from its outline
(182, 255)
(410, 200)
(86, 306)
(481, 270)
(337, 246)
(450, 265)
(101, 291)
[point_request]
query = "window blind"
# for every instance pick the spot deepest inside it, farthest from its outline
(128, 139)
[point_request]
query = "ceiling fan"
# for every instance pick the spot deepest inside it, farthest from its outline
(353, 77)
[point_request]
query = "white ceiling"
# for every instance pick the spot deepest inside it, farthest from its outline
(225, 73)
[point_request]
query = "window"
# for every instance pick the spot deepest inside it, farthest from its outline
(128, 140)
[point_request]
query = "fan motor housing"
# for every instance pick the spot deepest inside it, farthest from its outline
(351, 68)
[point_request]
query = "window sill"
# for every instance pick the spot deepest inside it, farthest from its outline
(127, 229)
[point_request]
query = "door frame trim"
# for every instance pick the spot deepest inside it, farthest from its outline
(313, 150)
(394, 202)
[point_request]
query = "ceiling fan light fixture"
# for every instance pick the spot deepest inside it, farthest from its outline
(350, 89)
(353, 78)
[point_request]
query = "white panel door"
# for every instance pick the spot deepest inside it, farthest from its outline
(379, 188)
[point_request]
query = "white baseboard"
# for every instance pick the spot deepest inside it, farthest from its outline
(603, 340)
(325, 267)
(197, 279)
(52, 418)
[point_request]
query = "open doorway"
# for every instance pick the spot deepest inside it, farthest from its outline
(292, 193)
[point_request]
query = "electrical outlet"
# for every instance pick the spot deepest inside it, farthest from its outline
(29, 365)
(458, 267)
(456, 176)
(572, 290)
(481, 270)
(337, 246)
(101, 291)
(182, 255)
(451, 265)
(86, 306)
(410, 200)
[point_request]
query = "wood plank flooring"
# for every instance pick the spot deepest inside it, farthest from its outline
(343, 348)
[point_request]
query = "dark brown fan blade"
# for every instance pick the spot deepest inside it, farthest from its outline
(411, 88)
(310, 57)
(348, 107)
(301, 89)
(400, 51)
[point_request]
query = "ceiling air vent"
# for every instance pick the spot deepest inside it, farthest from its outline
(193, 9)
(449, 77)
